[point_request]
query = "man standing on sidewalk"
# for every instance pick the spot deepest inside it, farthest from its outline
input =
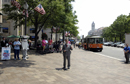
(127, 53)
(66, 54)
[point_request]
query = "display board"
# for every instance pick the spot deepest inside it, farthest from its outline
(5, 55)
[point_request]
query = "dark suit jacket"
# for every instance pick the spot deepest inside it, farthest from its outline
(3, 44)
(67, 48)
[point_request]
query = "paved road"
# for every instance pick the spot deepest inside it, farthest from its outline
(112, 52)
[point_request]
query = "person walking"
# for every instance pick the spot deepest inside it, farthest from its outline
(127, 53)
(43, 43)
(74, 43)
(66, 54)
(4, 43)
(16, 49)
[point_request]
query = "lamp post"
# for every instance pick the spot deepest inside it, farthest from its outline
(56, 34)
(25, 7)
(51, 32)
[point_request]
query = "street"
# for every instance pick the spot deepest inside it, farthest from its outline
(87, 67)
(112, 52)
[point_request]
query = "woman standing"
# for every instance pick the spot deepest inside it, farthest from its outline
(16, 48)
(43, 43)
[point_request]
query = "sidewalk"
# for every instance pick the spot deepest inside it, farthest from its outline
(86, 68)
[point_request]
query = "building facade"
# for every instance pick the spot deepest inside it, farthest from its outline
(7, 27)
(94, 31)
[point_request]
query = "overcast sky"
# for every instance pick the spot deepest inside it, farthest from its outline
(102, 12)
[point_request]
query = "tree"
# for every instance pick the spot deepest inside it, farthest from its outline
(55, 13)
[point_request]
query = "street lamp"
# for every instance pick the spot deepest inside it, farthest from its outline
(25, 7)
(56, 34)
(51, 32)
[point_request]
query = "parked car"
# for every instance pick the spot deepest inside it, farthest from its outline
(122, 45)
(116, 44)
(112, 45)
(108, 43)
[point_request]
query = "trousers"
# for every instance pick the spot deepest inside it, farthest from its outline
(127, 57)
(68, 59)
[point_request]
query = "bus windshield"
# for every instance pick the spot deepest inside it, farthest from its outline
(98, 40)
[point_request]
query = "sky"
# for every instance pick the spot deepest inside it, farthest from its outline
(102, 12)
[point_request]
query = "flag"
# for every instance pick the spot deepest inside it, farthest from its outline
(15, 3)
(54, 30)
(66, 33)
(26, 12)
(69, 33)
(40, 9)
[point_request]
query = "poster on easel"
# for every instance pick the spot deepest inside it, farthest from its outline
(5, 55)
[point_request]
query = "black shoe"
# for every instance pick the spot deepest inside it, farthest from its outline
(126, 62)
(68, 67)
(65, 69)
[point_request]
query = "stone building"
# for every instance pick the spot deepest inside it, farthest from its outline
(7, 27)
(94, 31)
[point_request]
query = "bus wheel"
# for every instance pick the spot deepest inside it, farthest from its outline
(100, 50)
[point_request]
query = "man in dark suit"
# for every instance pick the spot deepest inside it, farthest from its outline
(66, 54)
(4, 42)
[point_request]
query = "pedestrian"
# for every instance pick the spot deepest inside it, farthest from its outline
(59, 45)
(66, 54)
(74, 44)
(29, 42)
(4, 43)
(16, 49)
(43, 43)
(127, 53)
(50, 45)
(46, 44)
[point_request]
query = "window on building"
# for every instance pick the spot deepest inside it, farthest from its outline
(32, 30)
(5, 30)
(5, 0)
(4, 20)
(8, 0)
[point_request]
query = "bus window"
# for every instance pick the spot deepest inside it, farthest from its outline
(92, 40)
(99, 40)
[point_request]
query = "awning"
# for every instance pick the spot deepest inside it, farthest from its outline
(1, 14)
(32, 28)
(33, 36)
(5, 28)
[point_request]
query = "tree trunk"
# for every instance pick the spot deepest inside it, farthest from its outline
(36, 26)
(120, 37)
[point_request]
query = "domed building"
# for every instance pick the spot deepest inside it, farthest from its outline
(94, 31)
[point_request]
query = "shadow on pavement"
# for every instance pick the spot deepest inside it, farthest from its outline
(16, 63)
(58, 69)
(1, 71)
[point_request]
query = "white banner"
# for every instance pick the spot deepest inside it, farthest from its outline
(5, 55)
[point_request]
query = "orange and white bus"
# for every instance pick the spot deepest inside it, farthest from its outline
(94, 43)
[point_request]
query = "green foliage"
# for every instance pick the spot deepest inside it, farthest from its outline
(117, 29)
(78, 37)
(58, 13)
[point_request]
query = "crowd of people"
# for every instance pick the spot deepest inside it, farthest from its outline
(15, 46)
(52, 46)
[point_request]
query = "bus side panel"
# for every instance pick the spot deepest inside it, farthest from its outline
(95, 46)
